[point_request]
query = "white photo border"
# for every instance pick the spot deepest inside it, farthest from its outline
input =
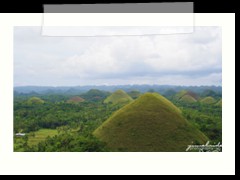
(116, 163)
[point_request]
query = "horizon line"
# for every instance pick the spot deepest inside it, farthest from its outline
(114, 85)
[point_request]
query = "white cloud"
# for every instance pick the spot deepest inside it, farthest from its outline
(189, 58)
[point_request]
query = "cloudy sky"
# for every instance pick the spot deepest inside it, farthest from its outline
(177, 59)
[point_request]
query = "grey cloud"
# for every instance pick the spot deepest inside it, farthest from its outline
(190, 58)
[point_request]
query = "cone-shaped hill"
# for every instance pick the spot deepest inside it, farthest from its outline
(208, 100)
(118, 97)
(75, 99)
(219, 103)
(188, 99)
(95, 95)
(35, 100)
(149, 124)
(186, 96)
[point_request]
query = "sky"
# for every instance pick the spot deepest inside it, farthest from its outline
(191, 59)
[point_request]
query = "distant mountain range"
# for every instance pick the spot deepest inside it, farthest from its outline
(163, 89)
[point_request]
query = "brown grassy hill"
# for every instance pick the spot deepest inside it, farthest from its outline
(75, 99)
(186, 96)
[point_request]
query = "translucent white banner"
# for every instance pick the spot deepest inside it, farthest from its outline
(118, 19)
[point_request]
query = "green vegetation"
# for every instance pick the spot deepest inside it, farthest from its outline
(64, 139)
(206, 117)
(74, 122)
(32, 139)
(208, 100)
(151, 123)
(210, 124)
(134, 94)
(211, 93)
(118, 97)
(169, 93)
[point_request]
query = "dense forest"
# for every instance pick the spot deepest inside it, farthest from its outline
(64, 120)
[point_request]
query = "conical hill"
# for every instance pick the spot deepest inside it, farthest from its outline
(149, 124)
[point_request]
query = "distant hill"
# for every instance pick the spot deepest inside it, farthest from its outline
(211, 93)
(208, 100)
(76, 99)
(188, 99)
(35, 100)
(169, 93)
(134, 94)
(118, 97)
(186, 96)
(95, 95)
(151, 123)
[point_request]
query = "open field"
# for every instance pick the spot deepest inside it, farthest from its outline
(40, 136)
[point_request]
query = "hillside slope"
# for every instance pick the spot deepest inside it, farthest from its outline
(149, 124)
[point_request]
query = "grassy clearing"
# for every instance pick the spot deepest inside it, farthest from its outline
(40, 136)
